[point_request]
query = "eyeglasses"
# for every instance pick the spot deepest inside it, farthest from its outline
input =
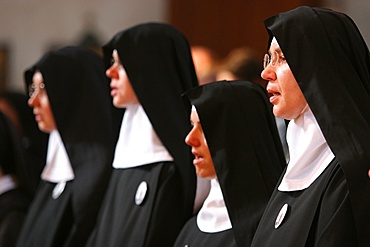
(33, 89)
(274, 59)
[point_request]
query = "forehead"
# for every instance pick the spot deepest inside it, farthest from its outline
(274, 47)
(115, 54)
(194, 115)
(37, 78)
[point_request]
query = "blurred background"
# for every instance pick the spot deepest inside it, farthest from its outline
(29, 28)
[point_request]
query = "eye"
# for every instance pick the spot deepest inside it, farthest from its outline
(281, 59)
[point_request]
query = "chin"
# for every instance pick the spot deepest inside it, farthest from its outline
(118, 104)
(205, 175)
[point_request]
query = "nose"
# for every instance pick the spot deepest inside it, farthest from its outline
(34, 99)
(268, 73)
(112, 71)
(192, 139)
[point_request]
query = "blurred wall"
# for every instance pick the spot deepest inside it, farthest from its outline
(30, 27)
(358, 10)
(225, 25)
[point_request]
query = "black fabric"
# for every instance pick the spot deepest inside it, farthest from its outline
(191, 236)
(331, 64)
(242, 136)
(13, 209)
(317, 216)
(12, 158)
(154, 222)
(14, 203)
(158, 63)
(78, 91)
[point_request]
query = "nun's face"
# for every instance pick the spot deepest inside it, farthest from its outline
(287, 98)
(40, 103)
(203, 160)
(122, 92)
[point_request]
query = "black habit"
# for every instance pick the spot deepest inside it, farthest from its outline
(78, 91)
(244, 143)
(158, 63)
(331, 63)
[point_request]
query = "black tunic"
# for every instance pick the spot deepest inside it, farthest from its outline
(158, 63)
(78, 92)
(191, 236)
(13, 209)
(324, 205)
(14, 199)
(125, 218)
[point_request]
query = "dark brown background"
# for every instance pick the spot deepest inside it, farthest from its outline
(222, 25)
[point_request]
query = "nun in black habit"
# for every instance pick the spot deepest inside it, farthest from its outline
(14, 199)
(151, 192)
(69, 94)
(235, 120)
(319, 75)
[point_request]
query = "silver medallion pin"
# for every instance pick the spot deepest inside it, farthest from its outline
(141, 192)
(281, 215)
(58, 189)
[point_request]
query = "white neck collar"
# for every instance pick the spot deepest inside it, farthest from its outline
(309, 153)
(213, 216)
(58, 166)
(138, 144)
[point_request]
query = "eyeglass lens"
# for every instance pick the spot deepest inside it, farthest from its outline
(33, 89)
(270, 59)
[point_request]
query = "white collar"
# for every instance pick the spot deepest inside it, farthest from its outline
(58, 166)
(213, 216)
(6, 183)
(138, 144)
(309, 153)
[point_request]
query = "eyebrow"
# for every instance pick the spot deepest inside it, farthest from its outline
(278, 50)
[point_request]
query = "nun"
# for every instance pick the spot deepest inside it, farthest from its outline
(14, 199)
(318, 68)
(236, 145)
(66, 89)
(152, 189)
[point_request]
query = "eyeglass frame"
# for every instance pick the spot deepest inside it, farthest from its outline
(33, 89)
(272, 59)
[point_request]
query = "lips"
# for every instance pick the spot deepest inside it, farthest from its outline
(197, 158)
(113, 92)
(274, 95)
(38, 117)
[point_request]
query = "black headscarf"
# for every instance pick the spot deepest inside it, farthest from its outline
(78, 91)
(158, 62)
(331, 64)
(242, 137)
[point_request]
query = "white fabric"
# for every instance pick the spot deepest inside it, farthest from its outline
(6, 183)
(138, 144)
(213, 216)
(309, 153)
(58, 166)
